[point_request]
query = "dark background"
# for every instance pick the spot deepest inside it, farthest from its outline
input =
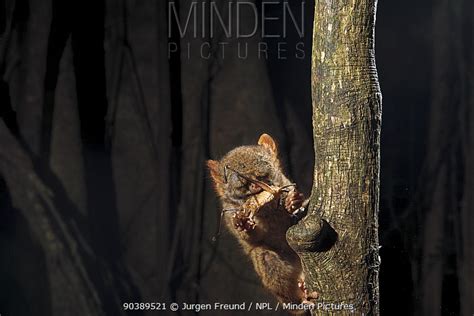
(104, 198)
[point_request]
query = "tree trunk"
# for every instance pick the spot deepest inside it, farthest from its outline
(446, 226)
(465, 221)
(139, 127)
(436, 181)
(68, 256)
(338, 239)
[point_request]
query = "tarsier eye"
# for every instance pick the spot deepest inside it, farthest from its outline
(233, 178)
(238, 182)
(266, 179)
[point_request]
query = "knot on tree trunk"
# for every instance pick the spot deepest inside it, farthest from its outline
(311, 234)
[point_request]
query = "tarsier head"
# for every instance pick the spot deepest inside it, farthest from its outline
(247, 170)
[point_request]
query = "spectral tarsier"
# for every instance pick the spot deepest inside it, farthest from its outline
(259, 205)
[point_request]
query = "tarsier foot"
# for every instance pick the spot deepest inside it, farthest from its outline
(294, 201)
(243, 222)
(307, 295)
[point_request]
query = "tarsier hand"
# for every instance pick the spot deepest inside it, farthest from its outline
(307, 295)
(293, 201)
(243, 222)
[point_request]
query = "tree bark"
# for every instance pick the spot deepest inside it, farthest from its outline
(338, 239)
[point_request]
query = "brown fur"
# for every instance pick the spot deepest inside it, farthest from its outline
(277, 265)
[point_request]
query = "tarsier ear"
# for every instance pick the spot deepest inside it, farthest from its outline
(216, 176)
(267, 141)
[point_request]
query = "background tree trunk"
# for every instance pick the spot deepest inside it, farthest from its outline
(438, 166)
(139, 127)
(445, 264)
(67, 256)
(464, 223)
(338, 240)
